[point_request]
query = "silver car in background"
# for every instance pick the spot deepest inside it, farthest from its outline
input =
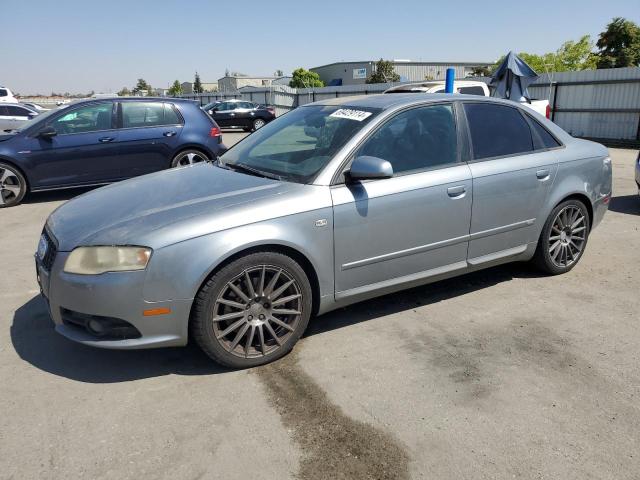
(14, 115)
(336, 202)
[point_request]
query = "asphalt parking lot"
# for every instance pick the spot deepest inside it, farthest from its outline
(499, 374)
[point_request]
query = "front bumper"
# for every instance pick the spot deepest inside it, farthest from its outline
(118, 296)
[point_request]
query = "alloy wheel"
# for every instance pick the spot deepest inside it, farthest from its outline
(567, 237)
(10, 186)
(257, 311)
(258, 124)
(190, 158)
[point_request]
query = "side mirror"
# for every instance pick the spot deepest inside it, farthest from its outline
(47, 132)
(367, 168)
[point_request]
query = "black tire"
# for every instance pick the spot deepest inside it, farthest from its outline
(544, 258)
(13, 186)
(189, 157)
(258, 123)
(252, 348)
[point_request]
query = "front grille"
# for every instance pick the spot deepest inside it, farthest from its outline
(52, 251)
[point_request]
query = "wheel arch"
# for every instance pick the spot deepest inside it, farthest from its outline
(583, 198)
(15, 165)
(291, 251)
(190, 146)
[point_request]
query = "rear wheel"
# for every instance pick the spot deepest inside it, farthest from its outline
(258, 123)
(563, 238)
(13, 186)
(253, 310)
(188, 157)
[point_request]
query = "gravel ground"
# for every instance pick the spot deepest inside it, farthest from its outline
(499, 374)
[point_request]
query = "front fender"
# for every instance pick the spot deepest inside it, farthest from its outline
(177, 271)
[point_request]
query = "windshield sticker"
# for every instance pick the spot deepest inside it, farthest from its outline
(357, 115)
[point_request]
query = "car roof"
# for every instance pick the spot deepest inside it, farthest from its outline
(384, 102)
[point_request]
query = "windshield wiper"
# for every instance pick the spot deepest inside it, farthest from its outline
(252, 171)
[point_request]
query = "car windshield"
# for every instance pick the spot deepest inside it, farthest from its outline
(39, 118)
(210, 105)
(296, 146)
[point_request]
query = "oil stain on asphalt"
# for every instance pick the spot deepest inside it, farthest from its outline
(335, 446)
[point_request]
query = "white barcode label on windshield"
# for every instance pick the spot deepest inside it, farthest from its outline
(357, 115)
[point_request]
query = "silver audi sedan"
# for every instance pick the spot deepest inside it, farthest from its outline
(333, 203)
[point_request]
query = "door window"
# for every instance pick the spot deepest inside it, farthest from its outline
(18, 111)
(417, 139)
(497, 130)
(171, 117)
(3, 92)
(91, 118)
(542, 139)
(142, 114)
(3, 111)
(247, 105)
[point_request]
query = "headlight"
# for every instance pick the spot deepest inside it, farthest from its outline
(96, 260)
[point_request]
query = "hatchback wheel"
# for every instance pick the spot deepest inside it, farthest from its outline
(13, 186)
(258, 123)
(253, 310)
(564, 238)
(188, 157)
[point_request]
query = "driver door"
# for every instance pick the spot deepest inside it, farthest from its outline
(414, 225)
(84, 151)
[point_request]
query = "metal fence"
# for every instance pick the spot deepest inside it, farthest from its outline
(598, 104)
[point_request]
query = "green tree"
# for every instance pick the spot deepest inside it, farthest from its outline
(384, 73)
(278, 73)
(619, 45)
(481, 71)
(305, 79)
(141, 85)
(197, 84)
(175, 89)
(125, 92)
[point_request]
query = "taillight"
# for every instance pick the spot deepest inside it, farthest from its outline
(271, 110)
(215, 132)
(548, 111)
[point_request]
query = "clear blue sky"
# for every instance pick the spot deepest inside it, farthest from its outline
(78, 46)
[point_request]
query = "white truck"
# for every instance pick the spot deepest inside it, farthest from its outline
(467, 87)
(6, 96)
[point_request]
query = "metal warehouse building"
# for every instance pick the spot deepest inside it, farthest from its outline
(355, 73)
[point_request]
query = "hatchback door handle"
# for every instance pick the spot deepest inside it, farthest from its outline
(543, 174)
(169, 134)
(106, 139)
(457, 191)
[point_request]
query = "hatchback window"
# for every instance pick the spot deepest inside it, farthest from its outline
(417, 139)
(142, 114)
(477, 90)
(84, 119)
(497, 130)
(170, 115)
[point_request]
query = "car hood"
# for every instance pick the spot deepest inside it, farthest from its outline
(132, 212)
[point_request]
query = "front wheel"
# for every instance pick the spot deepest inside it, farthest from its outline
(563, 238)
(13, 186)
(253, 310)
(188, 157)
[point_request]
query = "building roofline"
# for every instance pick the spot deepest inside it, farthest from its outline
(464, 64)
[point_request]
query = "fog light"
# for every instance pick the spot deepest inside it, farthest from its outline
(95, 327)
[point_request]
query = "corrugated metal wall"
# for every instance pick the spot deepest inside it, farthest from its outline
(602, 104)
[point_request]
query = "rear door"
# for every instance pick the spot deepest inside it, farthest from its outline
(512, 176)
(224, 114)
(414, 225)
(149, 136)
(84, 151)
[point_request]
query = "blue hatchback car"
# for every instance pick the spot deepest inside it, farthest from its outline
(94, 142)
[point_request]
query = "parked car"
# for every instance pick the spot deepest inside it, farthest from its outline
(94, 142)
(396, 191)
(6, 95)
(14, 115)
(35, 106)
(240, 113)
(467, 87)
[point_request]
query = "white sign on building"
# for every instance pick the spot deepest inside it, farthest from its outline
(359, 73)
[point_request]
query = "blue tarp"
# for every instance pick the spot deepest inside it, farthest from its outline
(512, 78)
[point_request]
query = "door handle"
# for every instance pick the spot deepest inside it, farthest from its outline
(169, 134)
(543, 174)
(106, 139)
(457, 191)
